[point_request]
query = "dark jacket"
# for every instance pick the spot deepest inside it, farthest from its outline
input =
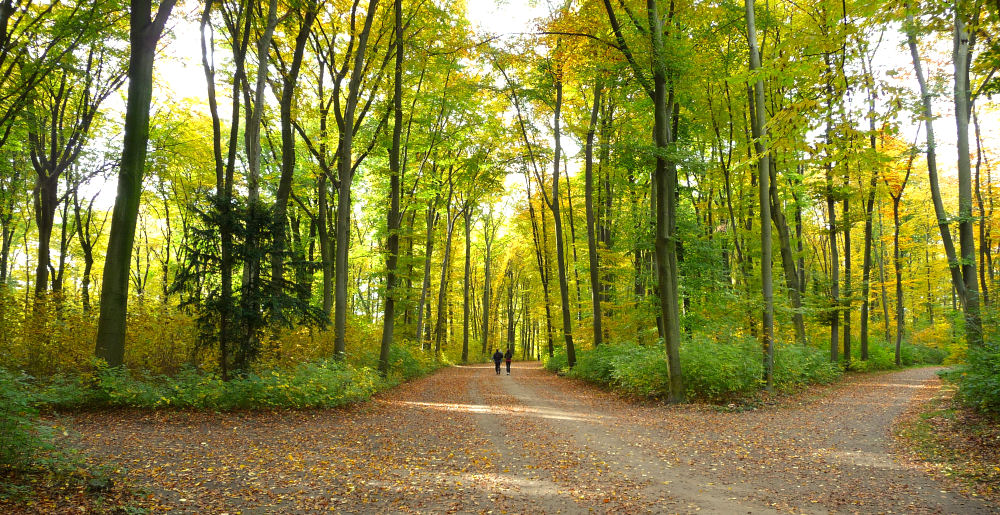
(497, 357)
(509, 356)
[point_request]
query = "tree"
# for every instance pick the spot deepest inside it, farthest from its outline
(144, 33)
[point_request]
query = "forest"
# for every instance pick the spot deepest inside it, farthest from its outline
(299, 203)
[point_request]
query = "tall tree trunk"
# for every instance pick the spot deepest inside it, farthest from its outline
(962, 56)
(345, 174)
(439, 324)
(144, 33)
(832, 223)
(847, 273)
(595, 272)
(290, 82)
(898, 266)
(466, 300)
(557, 222)
(764, 173)
(393, 216)
(939, 211)
(869, 208)
(426, 284)
(984, 245)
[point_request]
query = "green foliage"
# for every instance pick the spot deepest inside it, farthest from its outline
(559, 362)
(799, 365)
(21, 437)
(320, 384)
(715, 370)
(406, 361)
(910, 355)
(979, 380)
(880, 357)
(641, 371)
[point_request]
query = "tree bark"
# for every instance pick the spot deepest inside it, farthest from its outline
(393, 216)
(962, 56)
(143, 35)
(764, 174)
(595, 272)
(567, 320)
(345, 173)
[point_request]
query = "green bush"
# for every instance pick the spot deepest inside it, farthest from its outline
(320, 384)
(558, 362)
(21, 437)
(910, 354)
(979, 380)
(716, 370)
(641, 371)
(597, 365)
(797, 365)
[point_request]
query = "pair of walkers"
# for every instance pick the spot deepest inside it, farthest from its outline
(499, 356)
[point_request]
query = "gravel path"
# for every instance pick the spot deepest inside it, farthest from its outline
(466, 440)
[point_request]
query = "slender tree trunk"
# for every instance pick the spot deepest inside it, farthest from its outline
(898, 266)
(881, 278)
(143, 36)
(345, 173)
(832, 225)
(962, 56)
(393, 216)
(557, 222)
(764, 174)
(847, 275)
(426, 285)
(287, 150)
(439, 325)
(595, 272)
(939, 211)
(466, 300)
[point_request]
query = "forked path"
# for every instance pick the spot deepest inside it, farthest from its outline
(467, 440)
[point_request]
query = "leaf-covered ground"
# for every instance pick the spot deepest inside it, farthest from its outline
(467, 440)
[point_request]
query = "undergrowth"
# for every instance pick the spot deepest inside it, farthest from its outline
(720, 371)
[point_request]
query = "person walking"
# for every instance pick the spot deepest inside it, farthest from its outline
(497, 358)
(508, 357)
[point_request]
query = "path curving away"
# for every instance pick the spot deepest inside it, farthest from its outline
(467, 440)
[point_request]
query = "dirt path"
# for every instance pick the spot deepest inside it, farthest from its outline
(466, 440)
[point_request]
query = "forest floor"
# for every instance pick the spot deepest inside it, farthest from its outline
(467, 440)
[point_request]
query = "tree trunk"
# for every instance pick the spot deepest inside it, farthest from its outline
(393, 216)
(557, 221)
(439, 323)
(143, 35)
(426, 285)
(345, 174)
(466, 300)
(764, 174)
(595, 272)
(898, 266)
(279, 214)
(939, 211)
(962, 56)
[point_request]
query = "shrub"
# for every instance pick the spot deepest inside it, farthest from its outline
(597, 365)
(558, 362)
(797, 365)
(979, 380)
(320, 384)
(21, 437)
(641, 371)
(716, 370)
(910, 354)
